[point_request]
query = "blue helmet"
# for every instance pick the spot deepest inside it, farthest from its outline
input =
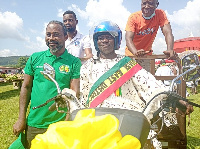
(111, 28)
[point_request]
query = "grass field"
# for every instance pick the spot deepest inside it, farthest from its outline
(193, 130)
(9, 103)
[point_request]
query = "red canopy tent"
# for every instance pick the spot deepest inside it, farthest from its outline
(190, 43)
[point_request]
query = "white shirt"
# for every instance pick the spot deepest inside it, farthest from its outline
(164, 71)
(77, 45)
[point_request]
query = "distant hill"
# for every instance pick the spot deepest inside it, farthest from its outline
(11, 60)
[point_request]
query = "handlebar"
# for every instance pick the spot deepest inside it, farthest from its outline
(172, 101)
(52, 99)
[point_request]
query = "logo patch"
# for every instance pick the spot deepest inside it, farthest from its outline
(64, 69)
(77, 43)
(147, 31)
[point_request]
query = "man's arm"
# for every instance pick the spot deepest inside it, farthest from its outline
(25, 96)
(75, 85)
(88, 53)
(169, 38)
(129, 43)
(87, 48)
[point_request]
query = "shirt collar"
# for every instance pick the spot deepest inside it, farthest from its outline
(63, 56)
(49, 53)
(78, 36)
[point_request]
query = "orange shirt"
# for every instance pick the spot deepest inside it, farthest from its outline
(145, 30)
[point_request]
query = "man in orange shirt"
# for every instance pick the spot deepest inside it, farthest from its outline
(142, 27)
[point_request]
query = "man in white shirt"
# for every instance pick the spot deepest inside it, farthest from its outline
(164, 70)
(76, 44)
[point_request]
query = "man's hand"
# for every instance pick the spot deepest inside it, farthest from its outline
(141, 52)
(19, 127)
(68, 93)
(171, 54)
(189, 108)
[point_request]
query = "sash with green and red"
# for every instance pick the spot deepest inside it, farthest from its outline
(112, 80)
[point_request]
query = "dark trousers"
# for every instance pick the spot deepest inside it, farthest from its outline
(31, 132)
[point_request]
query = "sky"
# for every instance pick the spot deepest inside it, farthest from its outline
(23, 22)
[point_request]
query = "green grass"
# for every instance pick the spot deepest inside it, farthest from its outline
(9, 106)
(9, 103)
(193, 130)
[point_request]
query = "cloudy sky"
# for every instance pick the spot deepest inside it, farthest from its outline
(23, 22)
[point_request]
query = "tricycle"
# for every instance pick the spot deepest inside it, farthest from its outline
(131, 122)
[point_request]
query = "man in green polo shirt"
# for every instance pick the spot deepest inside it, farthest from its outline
(38, 90)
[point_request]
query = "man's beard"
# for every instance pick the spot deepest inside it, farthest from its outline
(71, 30)
(56, 49)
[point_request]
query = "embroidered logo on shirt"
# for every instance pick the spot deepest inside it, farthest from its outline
(64, 69)
(77, 43)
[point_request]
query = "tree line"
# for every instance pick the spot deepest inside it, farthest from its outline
(14, 61)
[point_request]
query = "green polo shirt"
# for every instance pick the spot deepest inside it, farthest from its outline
(66, 67)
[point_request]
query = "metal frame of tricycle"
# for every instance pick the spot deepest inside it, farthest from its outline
(181, 89)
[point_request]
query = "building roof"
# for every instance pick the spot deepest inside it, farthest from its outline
(188, 39)
(190, 43)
